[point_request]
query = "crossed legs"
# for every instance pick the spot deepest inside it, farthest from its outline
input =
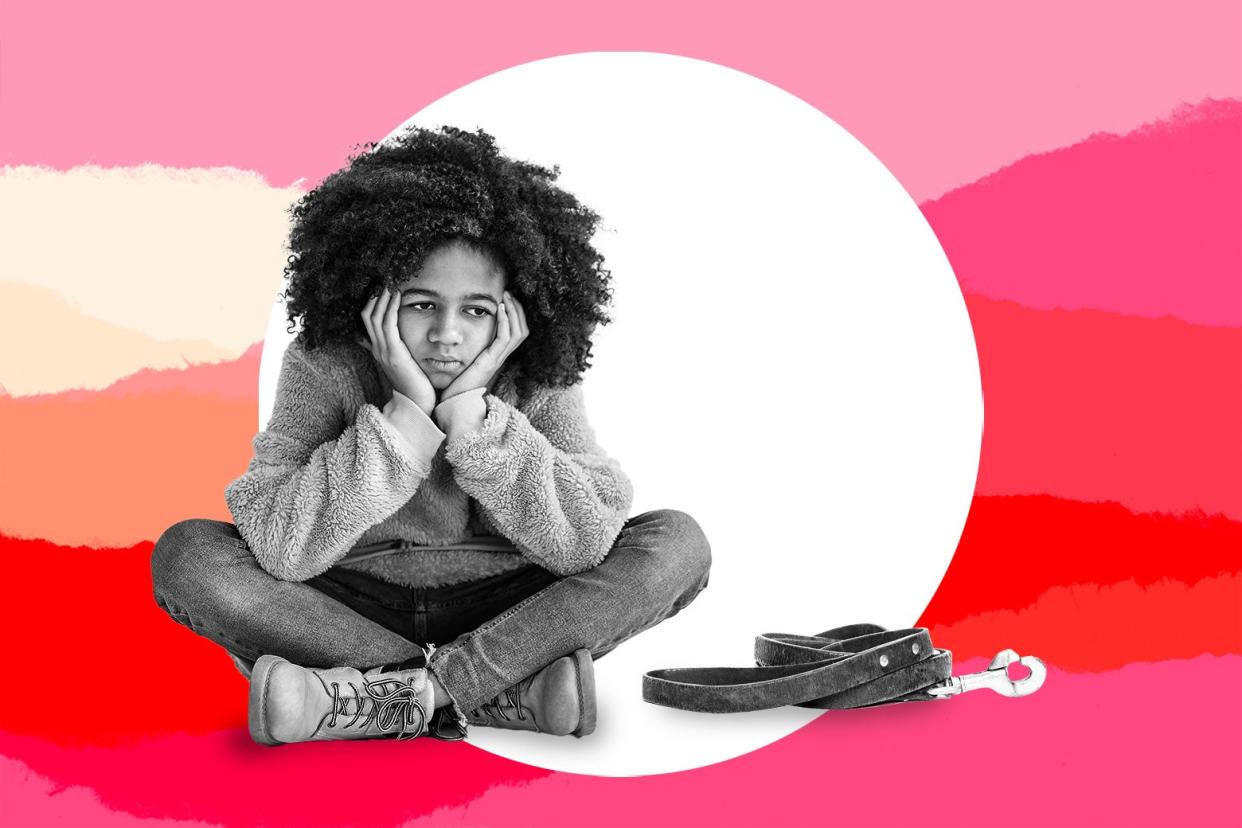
(206, 578)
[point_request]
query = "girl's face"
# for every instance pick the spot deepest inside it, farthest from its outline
(448, 312)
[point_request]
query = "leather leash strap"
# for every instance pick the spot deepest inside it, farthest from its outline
(859, 665)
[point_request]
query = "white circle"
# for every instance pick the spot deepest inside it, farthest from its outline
(791, 363)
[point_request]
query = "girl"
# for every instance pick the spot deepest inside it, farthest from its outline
(428, 534)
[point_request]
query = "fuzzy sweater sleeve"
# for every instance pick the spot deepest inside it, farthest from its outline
(543, 481)
(317, 482)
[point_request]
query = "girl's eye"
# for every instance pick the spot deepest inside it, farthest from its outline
(420, 306)
(478, 312)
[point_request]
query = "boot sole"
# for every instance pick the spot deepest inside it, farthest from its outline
(586, 692)
(256, 712)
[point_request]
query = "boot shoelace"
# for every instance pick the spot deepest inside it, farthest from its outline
(512, 699)
(390, 704)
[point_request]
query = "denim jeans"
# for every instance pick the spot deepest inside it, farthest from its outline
(490, 633)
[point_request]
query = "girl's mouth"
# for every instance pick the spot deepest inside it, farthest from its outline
(443, 364)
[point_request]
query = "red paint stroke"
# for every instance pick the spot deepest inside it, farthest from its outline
(1145, 745)
(1149, 223)
(1013, 549)
(1092, 406)
(103, 618)
(97, 616)
(1088, 627)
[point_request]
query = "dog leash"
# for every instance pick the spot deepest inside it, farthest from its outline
(860, 665)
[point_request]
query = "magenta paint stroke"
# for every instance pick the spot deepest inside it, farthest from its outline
(1148, 223)
(1148, 744)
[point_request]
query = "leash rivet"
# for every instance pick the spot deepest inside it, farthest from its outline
(883, 661)
(914, 648)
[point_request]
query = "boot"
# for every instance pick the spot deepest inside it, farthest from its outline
(559, 699)
(289, 703)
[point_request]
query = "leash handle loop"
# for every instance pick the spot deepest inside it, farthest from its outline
(859, 665)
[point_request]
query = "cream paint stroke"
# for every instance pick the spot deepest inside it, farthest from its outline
(173, 254)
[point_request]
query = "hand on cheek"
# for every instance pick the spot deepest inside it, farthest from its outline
(511, 331)
(393, 358)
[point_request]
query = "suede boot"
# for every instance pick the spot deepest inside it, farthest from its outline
(289, 703)
(559, 699)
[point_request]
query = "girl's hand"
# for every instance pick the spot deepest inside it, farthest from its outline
(511, 331)
(393, 358)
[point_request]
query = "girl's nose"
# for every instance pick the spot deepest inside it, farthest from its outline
(445, 330)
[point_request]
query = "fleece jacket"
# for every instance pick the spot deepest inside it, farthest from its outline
(491, 481)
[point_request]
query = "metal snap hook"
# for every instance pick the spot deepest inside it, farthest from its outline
(996, 678)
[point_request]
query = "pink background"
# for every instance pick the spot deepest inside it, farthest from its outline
(1080, 164)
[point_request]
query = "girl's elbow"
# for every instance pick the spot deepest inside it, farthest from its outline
(566, 568)
(583, 555)
(284, 566)
(290, 574)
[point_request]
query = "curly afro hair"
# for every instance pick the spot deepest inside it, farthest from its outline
(372, 224)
